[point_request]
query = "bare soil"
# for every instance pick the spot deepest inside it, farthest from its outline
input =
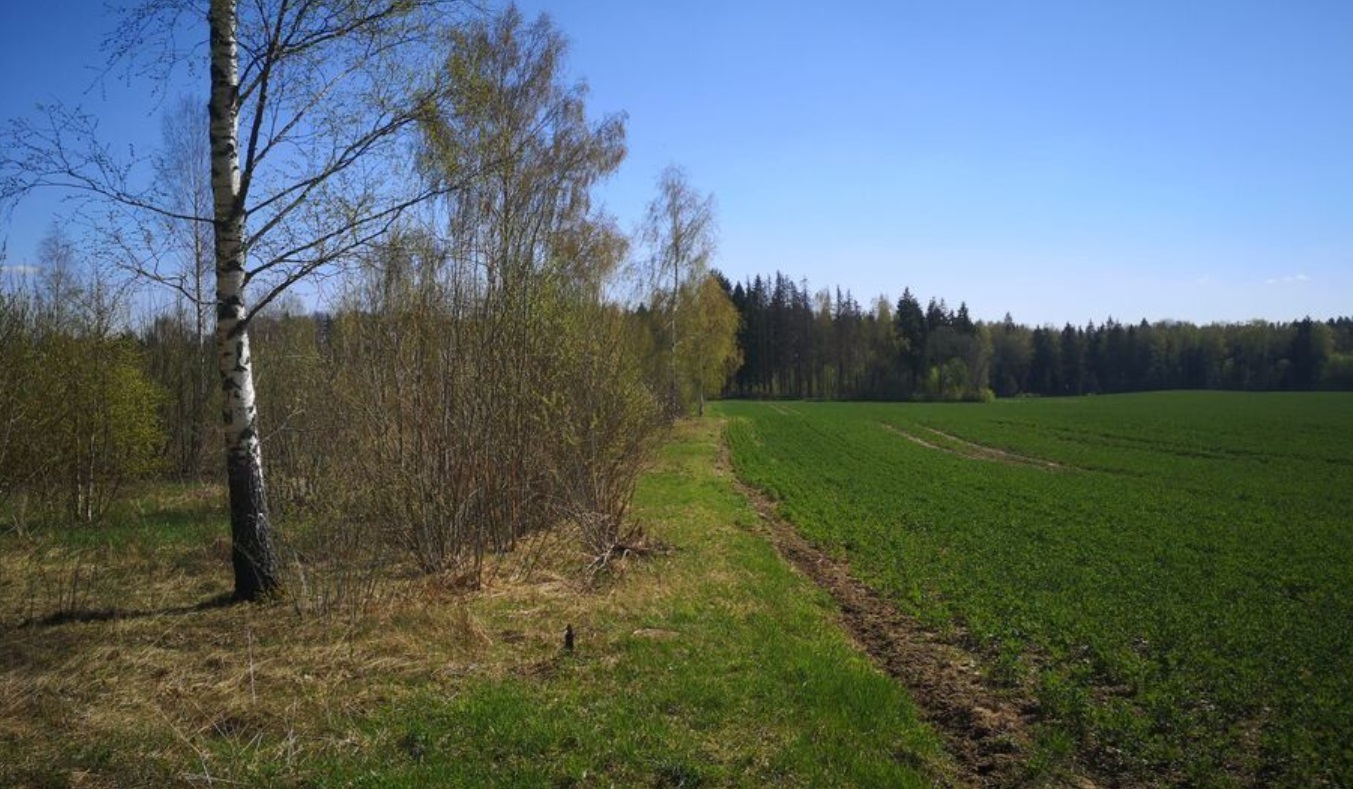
(971, 450)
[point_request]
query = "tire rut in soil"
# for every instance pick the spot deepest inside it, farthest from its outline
(987, 729)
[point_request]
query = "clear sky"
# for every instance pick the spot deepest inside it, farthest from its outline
(1063, 161)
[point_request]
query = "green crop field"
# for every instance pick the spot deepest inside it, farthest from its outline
(1170, 573)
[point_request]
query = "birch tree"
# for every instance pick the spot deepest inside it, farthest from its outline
(710, 331)
(314, 108)
(179, 341)
(678, 230)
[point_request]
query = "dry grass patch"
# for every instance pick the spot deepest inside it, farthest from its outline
(710, 662)
(136, 647)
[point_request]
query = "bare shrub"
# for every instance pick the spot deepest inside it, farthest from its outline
(473, 387)
(605, 428)
(332, 571)
(79, 411)
(61, 583)
(452, 421)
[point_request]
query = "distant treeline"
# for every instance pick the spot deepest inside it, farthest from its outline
(824, 344)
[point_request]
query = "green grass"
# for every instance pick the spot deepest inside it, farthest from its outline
(714, 664)
(1178, 588)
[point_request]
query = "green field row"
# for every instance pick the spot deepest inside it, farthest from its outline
(1172, 572)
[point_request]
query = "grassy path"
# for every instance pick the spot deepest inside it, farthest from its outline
(988, 726)
(715, 664)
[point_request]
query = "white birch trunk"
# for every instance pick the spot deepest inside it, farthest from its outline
(252, 552)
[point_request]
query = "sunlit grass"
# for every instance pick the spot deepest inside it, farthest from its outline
(709, 664)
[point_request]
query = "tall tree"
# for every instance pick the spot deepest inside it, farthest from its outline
(911, 333)
(678, 230)
(1045, 362)
(314, 107)
(711, 332)
(1307, 354)
(1072, 351)
(1012, 350)
(179, 342)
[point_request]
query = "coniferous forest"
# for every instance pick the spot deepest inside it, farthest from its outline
(800, 343)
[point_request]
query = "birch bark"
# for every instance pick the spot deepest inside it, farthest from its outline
(252, 553)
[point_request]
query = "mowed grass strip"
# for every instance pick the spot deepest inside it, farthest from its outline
(712, 664)
(1176, 589)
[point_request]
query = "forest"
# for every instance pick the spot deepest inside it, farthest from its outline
(797, 343)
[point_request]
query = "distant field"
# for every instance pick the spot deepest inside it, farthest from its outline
(1171, 572)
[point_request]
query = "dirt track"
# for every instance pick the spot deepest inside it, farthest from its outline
(988, 729)
(967, 449)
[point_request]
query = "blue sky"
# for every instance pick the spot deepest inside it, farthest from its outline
(1063, 161)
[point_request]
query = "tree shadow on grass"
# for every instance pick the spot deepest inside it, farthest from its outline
(85, 615)
(36, 646)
